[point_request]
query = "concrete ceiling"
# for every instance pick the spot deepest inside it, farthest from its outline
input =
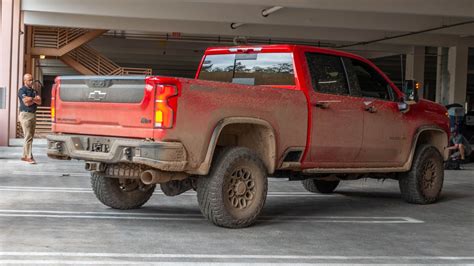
(337, 21)
(172, 32)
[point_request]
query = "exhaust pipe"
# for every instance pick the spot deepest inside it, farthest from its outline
(150, 177)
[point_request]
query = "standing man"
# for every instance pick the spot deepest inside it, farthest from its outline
(29, 100)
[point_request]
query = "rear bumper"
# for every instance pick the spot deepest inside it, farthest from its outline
(166, 156)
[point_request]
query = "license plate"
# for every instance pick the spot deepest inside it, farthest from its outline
(100, 147)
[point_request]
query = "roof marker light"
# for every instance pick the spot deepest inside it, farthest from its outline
(245, 49)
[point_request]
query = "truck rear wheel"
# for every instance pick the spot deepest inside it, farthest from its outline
(120, 193)
(234, 192)
(320, 186)
(423, 183)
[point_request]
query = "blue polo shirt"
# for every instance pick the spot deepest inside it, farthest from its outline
(27, 92)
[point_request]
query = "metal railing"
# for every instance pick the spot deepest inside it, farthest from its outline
(101, 65)
(49, 37)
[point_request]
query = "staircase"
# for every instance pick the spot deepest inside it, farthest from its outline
(69, 44)
(88, 61)
(51, 41)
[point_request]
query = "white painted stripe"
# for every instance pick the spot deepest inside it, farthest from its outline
(178, 214)
(101, 217)
(189, 193)
(180, 263)
(57, 173)
(98, 213)
(70, 262)
(48, 188)
(265, 219)
(184, 217)
(80, 167)
(156, 193)
(282, 195)
(128, 262)
(88, 188)
(44, 190)
(225, 256)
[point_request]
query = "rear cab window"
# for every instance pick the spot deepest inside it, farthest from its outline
(249, 68)
(327, 73)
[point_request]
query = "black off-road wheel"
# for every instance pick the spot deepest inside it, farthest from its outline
(234, 192)
(120, 193)
(423, 183)
(320, 186)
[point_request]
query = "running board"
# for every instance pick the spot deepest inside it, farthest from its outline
(354, 170)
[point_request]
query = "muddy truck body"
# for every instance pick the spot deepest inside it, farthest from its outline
(316, 115)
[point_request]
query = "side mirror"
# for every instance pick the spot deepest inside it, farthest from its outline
(410, 89)
(403, 106)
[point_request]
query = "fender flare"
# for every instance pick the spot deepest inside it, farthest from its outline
(414, 145)
(270, 162)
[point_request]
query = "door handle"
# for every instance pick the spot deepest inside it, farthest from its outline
(325, 104)
(322, 105)
(371, 109)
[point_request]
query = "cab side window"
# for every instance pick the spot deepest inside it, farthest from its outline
(371, 83)
(327, 74)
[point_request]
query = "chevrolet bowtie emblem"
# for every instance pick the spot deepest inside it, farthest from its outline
(97, 95)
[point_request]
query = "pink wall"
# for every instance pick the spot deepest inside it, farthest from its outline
(10, 65)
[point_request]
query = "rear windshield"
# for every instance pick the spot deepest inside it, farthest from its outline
(249, 69)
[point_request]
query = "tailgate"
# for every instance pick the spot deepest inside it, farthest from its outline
(104, 105)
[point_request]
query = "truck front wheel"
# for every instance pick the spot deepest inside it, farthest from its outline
(120, 193)
(423, 183)
(234, 192)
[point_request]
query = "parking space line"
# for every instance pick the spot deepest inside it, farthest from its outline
(59, 173)
(184, 217)
(45, 188)
(189, 193)
(229, 256)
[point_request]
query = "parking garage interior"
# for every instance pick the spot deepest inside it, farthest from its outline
(432, 43)
(428, 43)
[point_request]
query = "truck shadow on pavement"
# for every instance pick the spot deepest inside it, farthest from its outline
(341, 207)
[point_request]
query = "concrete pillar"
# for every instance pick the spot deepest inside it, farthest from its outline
(457, 68)
(10, 65)
(451, 80)
(442, 76)
(415, 66)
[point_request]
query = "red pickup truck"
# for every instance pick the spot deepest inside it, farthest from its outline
(300, 112)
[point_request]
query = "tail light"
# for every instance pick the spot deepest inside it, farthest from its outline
(53, 100)
(165, 105)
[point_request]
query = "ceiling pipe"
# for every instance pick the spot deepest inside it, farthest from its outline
(236, 25)
(265, 13)
(407, 34)
(270, 10)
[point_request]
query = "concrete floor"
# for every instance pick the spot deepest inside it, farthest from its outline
(49, 215)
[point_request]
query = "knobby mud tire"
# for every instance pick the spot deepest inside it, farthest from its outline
(424, 182)
(234, 192)
(109, 192)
